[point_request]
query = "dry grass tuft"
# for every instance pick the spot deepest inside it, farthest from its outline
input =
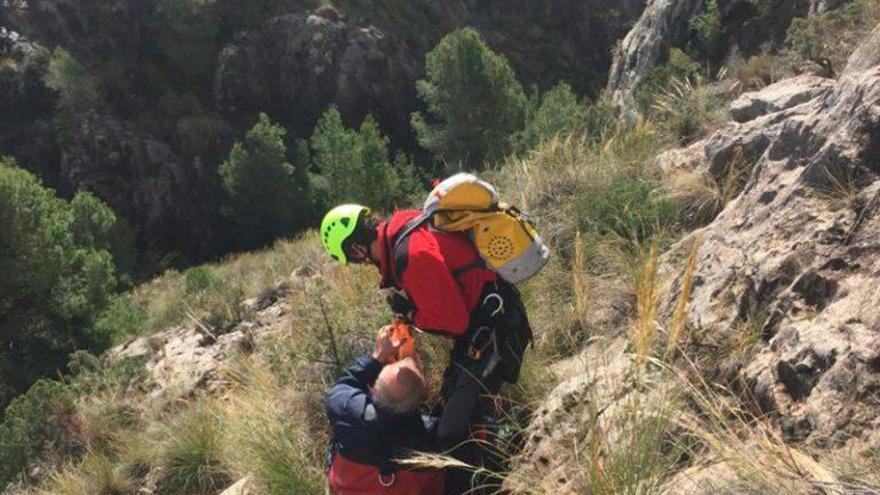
(276, 434)
(647, 293)
(679, 316)
(703, 196)
(753, 446)
(580, 289)
(96, 474)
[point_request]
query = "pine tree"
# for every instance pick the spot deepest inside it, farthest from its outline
(475, 103)
(269, 197)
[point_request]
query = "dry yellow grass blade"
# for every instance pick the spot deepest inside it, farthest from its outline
(679, 316)
(579, 286)
(645, 326)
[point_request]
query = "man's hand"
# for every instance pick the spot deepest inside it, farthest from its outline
(386, 348)
(401, 306)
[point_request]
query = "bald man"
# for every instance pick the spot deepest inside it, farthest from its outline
(374, 409)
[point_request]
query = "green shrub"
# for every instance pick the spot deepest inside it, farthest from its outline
(123, 318)
(711, 39)
(353, 165)
(688, 109)
(268, 195)
(200, 278)
(35, 425)
(633, 209)
(558, 111)
(831, 37)
(475, 104)
(678, 66)
(56, 276)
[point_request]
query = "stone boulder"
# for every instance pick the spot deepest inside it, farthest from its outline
(295, 65)
(779, 96)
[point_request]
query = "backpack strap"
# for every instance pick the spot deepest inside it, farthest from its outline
(386, 466)
(477, 263)
(399, 251)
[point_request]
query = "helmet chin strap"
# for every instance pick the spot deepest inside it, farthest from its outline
(361, 255)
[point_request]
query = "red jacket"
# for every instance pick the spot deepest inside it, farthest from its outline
(351, 478)
(443, 302)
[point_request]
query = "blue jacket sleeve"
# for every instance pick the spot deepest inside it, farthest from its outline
(346, 402)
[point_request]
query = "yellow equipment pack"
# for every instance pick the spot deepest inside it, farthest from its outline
(505, 237)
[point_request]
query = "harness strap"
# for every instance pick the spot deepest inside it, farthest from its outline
(399, 255)
(387, 467)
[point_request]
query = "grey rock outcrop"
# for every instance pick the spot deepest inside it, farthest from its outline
(187, 359)
(663, 24)
(779, 96)
(295, 65)
(819, 7)
(666, 23)
(791, 260)
(794, 254)
(139, 177)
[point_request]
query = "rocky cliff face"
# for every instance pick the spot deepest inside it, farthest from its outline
(663, 24)
(793, 259)
(749, 26)
(144, 180)
(795, 253)
(294, 65)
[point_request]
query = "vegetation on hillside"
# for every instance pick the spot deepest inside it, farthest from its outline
(571, 163)
(56, 275)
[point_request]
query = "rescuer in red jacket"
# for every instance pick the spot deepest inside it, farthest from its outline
(441, 286)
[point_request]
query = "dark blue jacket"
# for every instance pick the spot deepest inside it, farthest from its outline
(364, 433)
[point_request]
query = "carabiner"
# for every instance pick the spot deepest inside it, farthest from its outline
(494, 295)
(384, 483)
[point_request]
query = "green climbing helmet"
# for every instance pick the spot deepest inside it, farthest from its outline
(337, 226)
